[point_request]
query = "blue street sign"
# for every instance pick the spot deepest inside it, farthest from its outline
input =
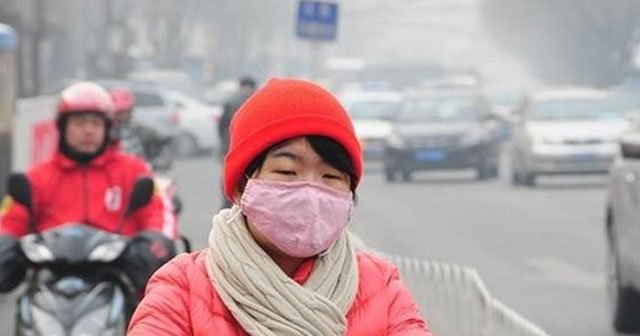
(317, 20)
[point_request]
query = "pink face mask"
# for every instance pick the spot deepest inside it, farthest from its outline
(301, 218)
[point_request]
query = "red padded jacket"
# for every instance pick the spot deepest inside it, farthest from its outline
(181, 301)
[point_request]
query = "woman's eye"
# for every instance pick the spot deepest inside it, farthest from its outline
(332, 176)
(285, 172)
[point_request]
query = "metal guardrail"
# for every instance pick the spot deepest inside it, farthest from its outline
(455, 300)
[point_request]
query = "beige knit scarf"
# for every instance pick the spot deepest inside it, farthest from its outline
(263, 299)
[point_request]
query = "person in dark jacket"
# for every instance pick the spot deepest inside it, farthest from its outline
(247, 87)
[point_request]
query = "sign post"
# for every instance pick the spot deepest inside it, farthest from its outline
(8, 86)
(318, 22)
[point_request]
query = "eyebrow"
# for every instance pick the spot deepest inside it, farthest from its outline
(286, 154)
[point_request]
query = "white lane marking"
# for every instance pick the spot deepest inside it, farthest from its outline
(558, 271)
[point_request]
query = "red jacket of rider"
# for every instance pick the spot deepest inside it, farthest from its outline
(64, 191)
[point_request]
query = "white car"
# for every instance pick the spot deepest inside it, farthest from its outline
(197, 121)
(565, 131)
(192, 123)
(372, 113)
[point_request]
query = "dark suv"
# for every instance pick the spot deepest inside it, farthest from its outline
(443, 130)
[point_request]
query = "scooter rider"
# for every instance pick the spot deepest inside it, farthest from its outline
(89, 181)
(123, 133)
(136, 138)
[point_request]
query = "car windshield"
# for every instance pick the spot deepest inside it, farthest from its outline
(575, 109)
(180, 98)
(144, 99)
(450, 108)
(372, 109)
(508, 99)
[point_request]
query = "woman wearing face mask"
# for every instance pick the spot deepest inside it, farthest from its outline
(280, 261)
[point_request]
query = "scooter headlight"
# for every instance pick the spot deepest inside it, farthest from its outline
(108, 252)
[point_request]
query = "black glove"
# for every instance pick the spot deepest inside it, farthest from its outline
(13, 264)
(145, 253)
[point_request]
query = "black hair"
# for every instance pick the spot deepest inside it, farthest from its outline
(328, 149)
(248, 82)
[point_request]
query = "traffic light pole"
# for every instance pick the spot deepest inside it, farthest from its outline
(316, 60)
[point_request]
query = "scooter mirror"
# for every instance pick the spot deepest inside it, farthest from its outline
(19, 189)
(141, 194)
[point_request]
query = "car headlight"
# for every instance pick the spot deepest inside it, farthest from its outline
(396, 141)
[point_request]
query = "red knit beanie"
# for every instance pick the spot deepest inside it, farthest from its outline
(281, 110)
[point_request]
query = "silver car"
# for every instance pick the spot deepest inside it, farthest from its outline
(372, 113)
(622, 227)
(565, 131)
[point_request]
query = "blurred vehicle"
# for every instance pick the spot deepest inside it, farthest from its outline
(628, 97)
(443, 130)
(452, 81)
(372, 113)
(153, 109)
(152, 103)
(623, 236)
(197, 122)
(77, 284)
(173, 79)
(174, 114)
(565, 131)
(366, 86)
(158, 147)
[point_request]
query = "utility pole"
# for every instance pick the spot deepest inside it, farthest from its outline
(317, 21)
(7, 103)
(38, 38)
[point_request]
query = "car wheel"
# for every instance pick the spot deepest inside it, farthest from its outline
(186, 145)
(516, 179)
(529, 179)
(624, 302)
(487, 172)
(495, 172)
